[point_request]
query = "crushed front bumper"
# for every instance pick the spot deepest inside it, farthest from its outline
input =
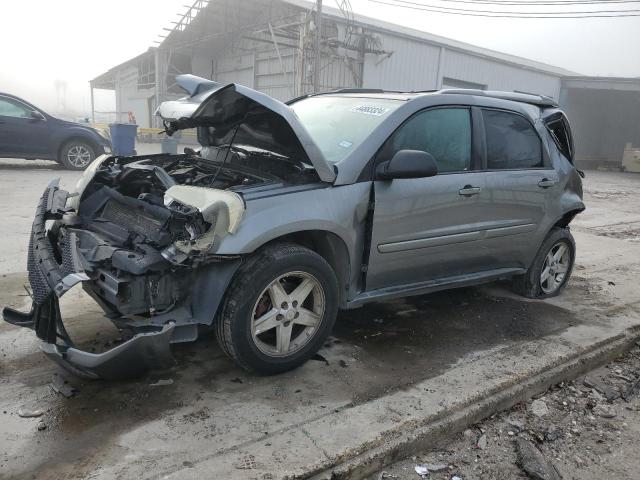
(53, 270)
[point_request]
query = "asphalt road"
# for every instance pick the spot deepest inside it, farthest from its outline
(214, 412)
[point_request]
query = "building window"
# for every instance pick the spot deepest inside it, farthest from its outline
(454, 83)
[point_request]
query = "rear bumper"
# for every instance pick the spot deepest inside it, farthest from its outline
(54, 269)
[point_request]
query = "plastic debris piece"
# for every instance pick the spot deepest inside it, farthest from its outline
(60, 385)
(436, 467)
(24, 413)
(422, 470)
(162, 383)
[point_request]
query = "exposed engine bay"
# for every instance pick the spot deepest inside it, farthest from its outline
(142, 224)
(141, 234)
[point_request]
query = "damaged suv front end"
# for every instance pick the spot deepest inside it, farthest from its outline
(141, 234)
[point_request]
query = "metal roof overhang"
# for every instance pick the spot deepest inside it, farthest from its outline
(107, 80)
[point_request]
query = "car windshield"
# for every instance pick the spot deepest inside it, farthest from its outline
(338, 124)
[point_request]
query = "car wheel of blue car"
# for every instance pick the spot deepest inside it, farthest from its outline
(279, 309)
(77, 155)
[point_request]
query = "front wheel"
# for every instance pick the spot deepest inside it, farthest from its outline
(551, 269)
(76, 155)
(279, 309)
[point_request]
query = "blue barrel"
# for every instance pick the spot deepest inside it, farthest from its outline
(123, 138)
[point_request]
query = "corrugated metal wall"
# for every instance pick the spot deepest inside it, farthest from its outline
(497, 75)
(271, 78)
(413, 65)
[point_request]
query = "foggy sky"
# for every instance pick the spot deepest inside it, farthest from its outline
(68, 42)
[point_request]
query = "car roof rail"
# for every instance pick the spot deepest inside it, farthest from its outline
(364, 90)
(532, 99)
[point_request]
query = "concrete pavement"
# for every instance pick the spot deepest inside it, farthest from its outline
(393, 377)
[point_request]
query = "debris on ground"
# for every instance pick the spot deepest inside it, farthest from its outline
(319, 358)
(63, 387)
(539, 408)
(26, 413)
(482, 442)
(42, 426)
(422, 470)
(162, 383)
(581, 429)
(533, 463)
(436, 467)
(236, 380)
(633, 389)
(385, 475)
(343, 364)
(609, 392)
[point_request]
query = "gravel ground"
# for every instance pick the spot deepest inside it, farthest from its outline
(584, 429)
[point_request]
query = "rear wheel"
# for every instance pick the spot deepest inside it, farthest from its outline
(279, 309)
(551, 269)
(76, 155)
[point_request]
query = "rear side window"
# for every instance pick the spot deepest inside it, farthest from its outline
(512, 141)
(445, 133)
(558, 127)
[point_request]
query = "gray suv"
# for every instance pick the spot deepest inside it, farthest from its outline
(291, 212)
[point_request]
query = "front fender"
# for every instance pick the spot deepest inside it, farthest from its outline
(339, 210)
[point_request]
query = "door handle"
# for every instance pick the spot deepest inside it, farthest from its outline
(546, 183)
(469, 190)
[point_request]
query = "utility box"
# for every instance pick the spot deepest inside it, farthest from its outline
(631, 159)
(123, 138)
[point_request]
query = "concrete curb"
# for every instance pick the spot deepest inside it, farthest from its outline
(438, 430)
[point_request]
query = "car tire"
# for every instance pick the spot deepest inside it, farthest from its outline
(76, 155)
(279, 309)
(545, 278)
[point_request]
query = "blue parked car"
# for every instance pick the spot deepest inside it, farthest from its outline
(28, 132)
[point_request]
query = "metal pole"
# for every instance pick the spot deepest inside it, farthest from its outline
(316, 67)
(156, 92)
(93, 110)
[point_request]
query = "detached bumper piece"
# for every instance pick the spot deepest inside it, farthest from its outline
(55, 267)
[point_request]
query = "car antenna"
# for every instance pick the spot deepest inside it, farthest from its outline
(224, 161)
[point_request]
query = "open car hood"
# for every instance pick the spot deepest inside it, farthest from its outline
(240, 115)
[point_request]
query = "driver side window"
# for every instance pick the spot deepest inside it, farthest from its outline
(9, 108)
(445, 133)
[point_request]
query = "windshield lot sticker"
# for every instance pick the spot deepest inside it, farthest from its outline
(374, 110)
(345, 143)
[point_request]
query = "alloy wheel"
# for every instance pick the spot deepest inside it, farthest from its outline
(555, 268)
(287, 314)
(79, 156)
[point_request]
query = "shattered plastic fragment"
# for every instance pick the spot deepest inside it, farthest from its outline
(61, 386)
(162, 383)
(422, 470)
(24, 413)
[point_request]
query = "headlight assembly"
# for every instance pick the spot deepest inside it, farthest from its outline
(221, 209)
(84, 180)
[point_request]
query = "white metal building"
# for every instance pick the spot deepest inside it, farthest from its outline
(269, 45)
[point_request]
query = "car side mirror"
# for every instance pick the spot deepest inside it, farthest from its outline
(36, 115)
(408, 164)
